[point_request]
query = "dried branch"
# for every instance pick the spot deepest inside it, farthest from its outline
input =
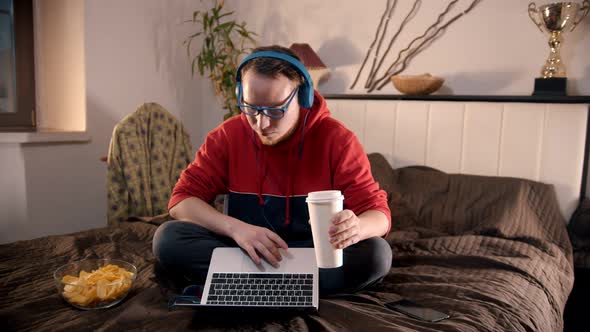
(408, 17)
(372, 71)
(421, 46)
(372, 44)
(408, 48)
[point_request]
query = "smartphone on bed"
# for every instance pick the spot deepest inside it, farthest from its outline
(417, 311)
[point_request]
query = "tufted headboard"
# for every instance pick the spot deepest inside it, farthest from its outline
(541, 141)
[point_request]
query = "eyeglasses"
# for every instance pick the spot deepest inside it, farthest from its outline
(271, 112)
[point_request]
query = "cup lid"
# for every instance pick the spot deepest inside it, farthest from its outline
(324, 196)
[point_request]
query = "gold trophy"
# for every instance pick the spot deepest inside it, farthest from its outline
(555, 18)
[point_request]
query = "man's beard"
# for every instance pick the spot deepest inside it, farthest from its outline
(280, 139)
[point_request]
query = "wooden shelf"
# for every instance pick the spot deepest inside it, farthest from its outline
(475, 98)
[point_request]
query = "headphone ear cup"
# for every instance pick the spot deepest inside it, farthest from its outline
(305, 95)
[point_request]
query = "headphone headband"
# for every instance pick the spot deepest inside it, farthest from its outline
(305, 94)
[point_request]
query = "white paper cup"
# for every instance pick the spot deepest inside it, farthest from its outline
(322, 206)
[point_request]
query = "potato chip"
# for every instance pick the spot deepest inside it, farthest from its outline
(104, 284)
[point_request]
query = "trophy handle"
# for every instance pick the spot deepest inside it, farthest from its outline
(585, 8)
(533, 9)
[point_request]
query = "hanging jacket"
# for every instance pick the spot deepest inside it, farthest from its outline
(149, 148)
(267, 185)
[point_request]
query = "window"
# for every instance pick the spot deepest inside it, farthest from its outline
(17, 66)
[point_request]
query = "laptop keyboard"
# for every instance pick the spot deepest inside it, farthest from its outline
(261, 289)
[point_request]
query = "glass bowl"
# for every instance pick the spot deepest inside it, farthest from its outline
(95, 283)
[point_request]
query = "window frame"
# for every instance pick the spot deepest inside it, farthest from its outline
(23, 119)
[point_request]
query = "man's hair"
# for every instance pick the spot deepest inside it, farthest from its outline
(274, 67)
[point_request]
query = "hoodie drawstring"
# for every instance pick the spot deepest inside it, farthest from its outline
(289, 185)
(260, 178)
(291, 161)
(259, 164)
(303, 133)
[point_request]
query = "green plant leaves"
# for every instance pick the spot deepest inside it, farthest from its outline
(222, 44)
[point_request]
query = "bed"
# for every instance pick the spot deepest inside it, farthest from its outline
(488, 245)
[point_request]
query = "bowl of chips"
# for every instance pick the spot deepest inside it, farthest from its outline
(95, 283)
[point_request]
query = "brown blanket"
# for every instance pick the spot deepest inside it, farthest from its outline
(491, 252)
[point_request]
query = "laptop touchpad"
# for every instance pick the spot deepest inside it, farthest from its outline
(285, 265)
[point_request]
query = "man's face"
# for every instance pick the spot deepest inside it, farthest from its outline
(260, 90)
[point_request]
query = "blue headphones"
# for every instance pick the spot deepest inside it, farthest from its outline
(305, 94)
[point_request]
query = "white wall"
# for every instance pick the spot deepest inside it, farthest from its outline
(47, 188)
(134, 54)
(13, 202)
(494, 49)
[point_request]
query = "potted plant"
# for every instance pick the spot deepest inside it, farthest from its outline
(224, 41)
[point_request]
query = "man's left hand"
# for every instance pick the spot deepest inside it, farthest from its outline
(345, 229)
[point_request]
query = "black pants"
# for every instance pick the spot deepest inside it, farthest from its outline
(184, 250)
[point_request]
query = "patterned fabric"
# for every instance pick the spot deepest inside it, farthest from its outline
(148, 151)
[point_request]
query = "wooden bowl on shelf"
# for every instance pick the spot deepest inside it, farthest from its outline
(424, 84)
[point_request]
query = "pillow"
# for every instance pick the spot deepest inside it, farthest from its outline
(432, 203)
(381, 171)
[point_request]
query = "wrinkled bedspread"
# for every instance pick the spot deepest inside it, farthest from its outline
(495, 257)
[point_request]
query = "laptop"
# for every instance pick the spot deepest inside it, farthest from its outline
(234, 281)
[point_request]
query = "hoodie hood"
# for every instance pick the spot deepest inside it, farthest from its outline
(309, 118)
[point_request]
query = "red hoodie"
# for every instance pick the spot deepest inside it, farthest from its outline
(267, 185)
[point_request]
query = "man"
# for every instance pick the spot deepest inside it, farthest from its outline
(283, 146)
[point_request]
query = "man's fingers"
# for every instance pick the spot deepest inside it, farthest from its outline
(267, 254)
(272, 248)
(342, 216)
(347, 242)
(338, 218)
(345, 239)
(277, 239)
(341, 227)
(342, 236)
(252, 253)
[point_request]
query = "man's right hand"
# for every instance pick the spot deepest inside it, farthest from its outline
(258, 241)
